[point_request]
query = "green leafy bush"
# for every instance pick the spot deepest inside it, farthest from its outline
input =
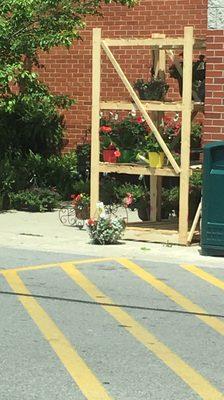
(36, 170)
(36, 199)
(31, 121)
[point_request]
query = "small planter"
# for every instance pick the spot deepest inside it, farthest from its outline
(82, 213)
(109, 155)
(155, 89)
(156, 160)
(143, 213)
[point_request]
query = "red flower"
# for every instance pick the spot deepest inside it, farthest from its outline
(105, 129)
(73, 196)
(166, 119)
(139, 120)
(90, 222)
(117, 153)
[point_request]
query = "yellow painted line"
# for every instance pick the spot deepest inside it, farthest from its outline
(203, 275)
(77, 368)
(196, 381)
(54, 265)
(173, 294)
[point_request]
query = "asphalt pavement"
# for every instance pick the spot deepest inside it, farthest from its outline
(133, 321)
(104, 329)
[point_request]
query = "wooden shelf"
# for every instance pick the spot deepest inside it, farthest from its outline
(149, 105)
(135, 169)
(150, 110)
(141, 169)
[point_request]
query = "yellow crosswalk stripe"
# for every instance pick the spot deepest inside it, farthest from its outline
(203, 275)
(174, 295)
(53, 265)
(77, 368)
(195, 380)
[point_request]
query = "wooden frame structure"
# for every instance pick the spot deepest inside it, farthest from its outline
(160, 45)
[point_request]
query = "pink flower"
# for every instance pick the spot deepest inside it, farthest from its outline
(128, 200)
(78, 197)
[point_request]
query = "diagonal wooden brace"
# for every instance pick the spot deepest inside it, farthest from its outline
(140, 107)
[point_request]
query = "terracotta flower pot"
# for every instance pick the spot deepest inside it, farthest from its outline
(109, 155)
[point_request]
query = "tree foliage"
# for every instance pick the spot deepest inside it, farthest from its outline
(27, 26)
(28, 111)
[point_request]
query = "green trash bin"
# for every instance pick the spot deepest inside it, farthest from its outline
(212, 224)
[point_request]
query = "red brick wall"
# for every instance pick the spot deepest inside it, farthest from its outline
(214, 106)
(69, 71)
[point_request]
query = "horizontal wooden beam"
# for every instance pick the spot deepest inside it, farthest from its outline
(165, 43)
(154, 42)
(149, 105)
(135, 169)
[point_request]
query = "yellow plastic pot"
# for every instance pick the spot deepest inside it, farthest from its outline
(156, 160)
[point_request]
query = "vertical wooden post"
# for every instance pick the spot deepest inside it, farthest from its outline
(153, 198)
(159, 66)
(185, 135)
(95, 143)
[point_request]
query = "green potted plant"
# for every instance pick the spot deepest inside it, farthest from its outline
(154, 89)
(128, 134)
(134, 197)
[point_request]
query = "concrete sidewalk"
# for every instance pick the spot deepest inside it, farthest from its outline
(45, 232)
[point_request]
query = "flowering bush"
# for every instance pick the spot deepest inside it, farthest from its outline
(105, 230)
